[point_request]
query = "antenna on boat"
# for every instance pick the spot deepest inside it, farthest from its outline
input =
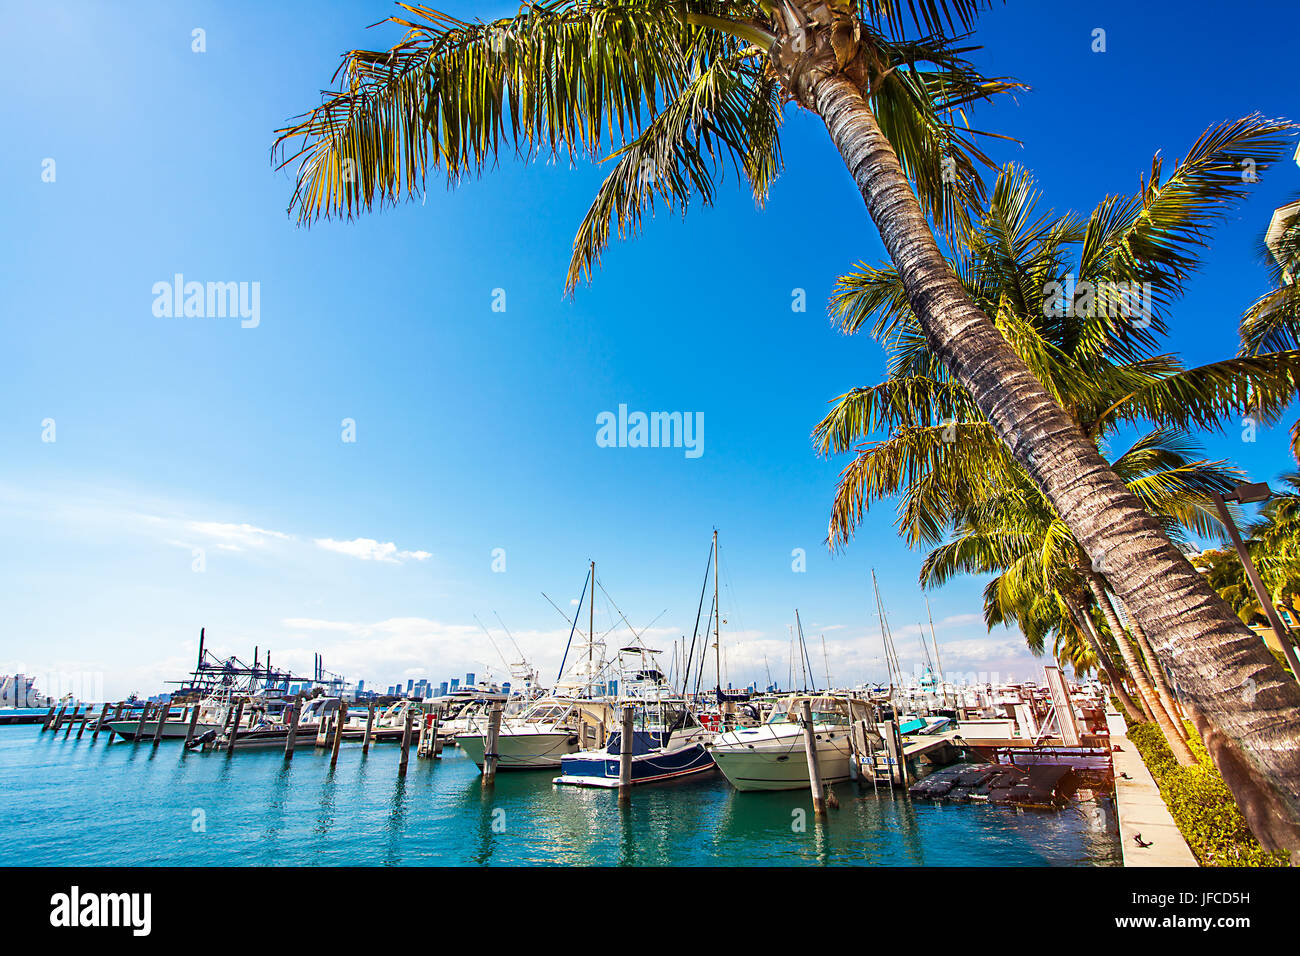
(826, 662)
(493, 643)
(717, 617)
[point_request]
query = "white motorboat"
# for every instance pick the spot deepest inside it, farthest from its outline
(773, 756)
(548, 730)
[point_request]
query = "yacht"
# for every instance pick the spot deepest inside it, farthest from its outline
(546, 731)
(773, 755)
(668, 742)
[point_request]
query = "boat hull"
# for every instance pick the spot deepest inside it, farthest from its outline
(757, 762)
(597, 768)
(172, 730)
(523, 751)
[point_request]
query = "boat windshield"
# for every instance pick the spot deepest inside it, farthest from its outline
(833, 717)
(545, 713)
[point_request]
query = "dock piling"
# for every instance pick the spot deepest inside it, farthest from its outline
(72, 720)
(58, 719)
(338, 732)
(234, 728)
(85, 720)
(117, 712)
(625, 750)
(139, 727)
(814, 769)
(189, 728)
(164, 711)
(406, 744)
(370, 726)
(291, 738)
(490, 745)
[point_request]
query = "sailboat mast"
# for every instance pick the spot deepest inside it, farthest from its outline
(717, 617)
(826, 662)
(591, 627)
(803, 651)
(937, 659)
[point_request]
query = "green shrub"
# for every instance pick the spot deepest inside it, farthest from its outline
(1201, 803)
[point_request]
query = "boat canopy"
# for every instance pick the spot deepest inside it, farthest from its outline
(824, 708)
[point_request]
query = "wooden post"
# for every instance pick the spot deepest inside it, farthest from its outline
(437, 738)
(45, 724)
(370, 726)
(99, 724)
(72, 720)
(58, 718)
(85, 720)
(625, 749)
(338, 732)
(117, 712)
(814, 769)
(189, 729)
(894, 747)
(323, 731)
(233, 734)
(406, 745)
(904, 777)
(295, 712)
(490, 745)
(163, 713)
(139, 727)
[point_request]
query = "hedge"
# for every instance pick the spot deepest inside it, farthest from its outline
(1201, 803)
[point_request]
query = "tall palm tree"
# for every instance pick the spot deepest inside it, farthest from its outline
(689, 83)
(1042, 573)
(1031, 271)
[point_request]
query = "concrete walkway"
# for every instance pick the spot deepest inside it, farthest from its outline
(1142, 811)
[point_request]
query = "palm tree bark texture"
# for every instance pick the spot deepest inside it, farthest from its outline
(1216, 662)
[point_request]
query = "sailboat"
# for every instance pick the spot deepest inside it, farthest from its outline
(553, 726)
(667, 742)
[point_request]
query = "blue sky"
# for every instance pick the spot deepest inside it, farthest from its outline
(475, 429)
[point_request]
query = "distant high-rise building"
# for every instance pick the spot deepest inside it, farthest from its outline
(469, 680)
(442, 689)
(455, 683)
(361, 686)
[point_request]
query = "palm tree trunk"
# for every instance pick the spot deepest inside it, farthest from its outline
(1084, 624)
(1182, 753)
(1243, 702)
(1168, 699)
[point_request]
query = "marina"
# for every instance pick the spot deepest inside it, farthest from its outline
(81, 804)
(820, 777)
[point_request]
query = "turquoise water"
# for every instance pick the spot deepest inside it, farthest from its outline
(74, 803)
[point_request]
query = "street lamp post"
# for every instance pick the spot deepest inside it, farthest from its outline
(1252, 494)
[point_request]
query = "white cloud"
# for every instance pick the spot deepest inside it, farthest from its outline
(368, 549)
(235, 536)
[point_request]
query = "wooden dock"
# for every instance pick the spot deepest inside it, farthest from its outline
(914, 747)
(1148, 835)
